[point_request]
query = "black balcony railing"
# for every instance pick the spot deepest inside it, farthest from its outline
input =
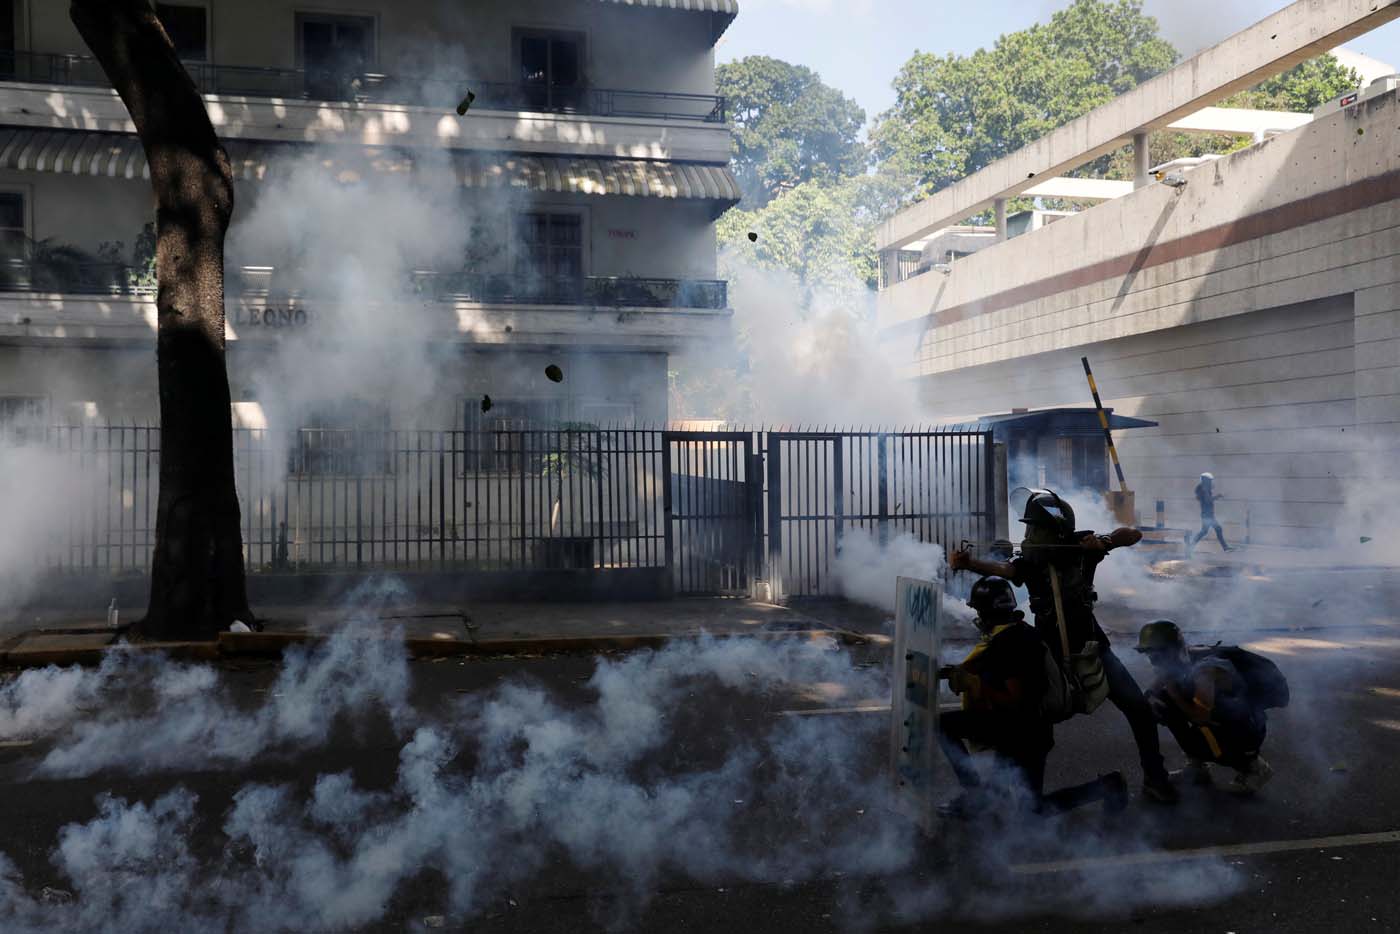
(440, 93)
(98, 278)
(600, 291)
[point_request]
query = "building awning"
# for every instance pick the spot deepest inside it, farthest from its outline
(120, 155)
(724, 10)
(1063, 420)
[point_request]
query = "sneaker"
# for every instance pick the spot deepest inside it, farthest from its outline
(1160, 789)
(1250, 779)
(1115, 792)
(1196, 772)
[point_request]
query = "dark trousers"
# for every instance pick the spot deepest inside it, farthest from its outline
(1233, 742)
(1021, 749)
(1125, 694)
(1208, 523)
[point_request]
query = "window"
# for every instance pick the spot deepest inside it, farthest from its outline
(500, 439)
(188, 28)
(350, 439)
(23, 418)
(336, 52)
(14, 238)
(8, 23)
(548, 246)
(22, 411)
(551, 70)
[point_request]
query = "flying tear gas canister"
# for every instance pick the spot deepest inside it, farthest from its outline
(914, 705)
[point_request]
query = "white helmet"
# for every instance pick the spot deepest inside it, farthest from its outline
(1208, 476)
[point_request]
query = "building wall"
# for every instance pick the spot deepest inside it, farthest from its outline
(1265, 401)
(625, 47)
(1260, 300)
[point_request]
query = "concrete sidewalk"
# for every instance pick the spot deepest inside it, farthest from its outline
(434, 630)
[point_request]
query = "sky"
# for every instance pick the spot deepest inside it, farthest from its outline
(857, 46)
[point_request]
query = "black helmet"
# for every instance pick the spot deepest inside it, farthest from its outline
(1044, 507)
(1160, 634)
(993, 594)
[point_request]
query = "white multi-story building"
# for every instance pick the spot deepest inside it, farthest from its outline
(566, 218)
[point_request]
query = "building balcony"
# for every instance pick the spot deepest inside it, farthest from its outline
(117, 279)
(368, 87)
(71, 92)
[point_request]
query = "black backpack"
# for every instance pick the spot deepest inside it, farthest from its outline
(1266, 685)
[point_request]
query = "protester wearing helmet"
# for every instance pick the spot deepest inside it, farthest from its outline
(1057, 564)
(1004, 685)
(1207, 704)
(1206, 497)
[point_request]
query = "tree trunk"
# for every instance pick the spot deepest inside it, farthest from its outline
(197, 582)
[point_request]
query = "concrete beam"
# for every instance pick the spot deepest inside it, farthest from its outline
(1298, 32)
(1239, 120)
(1079, 189)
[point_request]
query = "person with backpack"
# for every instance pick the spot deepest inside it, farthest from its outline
(1013, 691)
(1212, 699)
(1056, 566)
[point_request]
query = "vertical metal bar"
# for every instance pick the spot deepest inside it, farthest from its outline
(442, 498)
(666, 507)
(838, 483)
(883, 506)
(524, 558)
(774, 516)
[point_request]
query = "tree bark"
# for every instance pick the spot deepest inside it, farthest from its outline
(197, 578)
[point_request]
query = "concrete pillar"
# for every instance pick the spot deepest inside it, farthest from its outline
(1142, 160)
(1001, 219)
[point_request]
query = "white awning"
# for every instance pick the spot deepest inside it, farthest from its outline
(118, 155)
(725, 10)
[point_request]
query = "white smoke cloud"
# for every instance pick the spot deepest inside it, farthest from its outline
(546, 781)
(190, 719)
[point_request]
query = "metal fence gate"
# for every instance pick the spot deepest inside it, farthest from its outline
(823, 487)
(707, 512)
(712, 511)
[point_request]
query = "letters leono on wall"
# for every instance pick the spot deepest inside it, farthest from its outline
(270, 317)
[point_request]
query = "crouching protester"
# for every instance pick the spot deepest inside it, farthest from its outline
(1012, 691)
(1212, 699)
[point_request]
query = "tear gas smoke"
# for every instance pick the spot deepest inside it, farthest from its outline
(504, 786)
(866, 572)
(803, 355)
(36, 494)
(188, 718)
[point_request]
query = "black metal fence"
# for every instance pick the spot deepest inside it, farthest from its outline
(718, 511)
(107, 278)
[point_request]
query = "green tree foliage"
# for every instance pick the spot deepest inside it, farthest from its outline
(789, 127)
(1303, 88)
(955, 114)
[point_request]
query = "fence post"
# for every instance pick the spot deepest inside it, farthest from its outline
(998, 522)
(773, 451)
(753, 477)
(883, 502)
(668, 535)
(838, 484)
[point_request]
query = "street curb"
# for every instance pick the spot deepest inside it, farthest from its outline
(271, 644)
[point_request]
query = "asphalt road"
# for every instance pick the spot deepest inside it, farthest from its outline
(1314, 854)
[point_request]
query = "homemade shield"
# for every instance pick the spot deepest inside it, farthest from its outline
(914, 706)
